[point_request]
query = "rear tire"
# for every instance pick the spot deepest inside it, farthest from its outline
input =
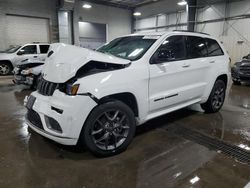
(109, 129)
(216, 98)
(5, 68)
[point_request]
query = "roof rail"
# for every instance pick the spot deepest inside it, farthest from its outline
(192, 32)
(38, 42)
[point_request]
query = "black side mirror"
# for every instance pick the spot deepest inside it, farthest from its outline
(163, 55)
(20, 52)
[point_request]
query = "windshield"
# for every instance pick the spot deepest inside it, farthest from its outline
(12, 49)
(131, 48)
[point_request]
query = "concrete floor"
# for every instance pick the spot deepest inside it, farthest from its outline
(157, 156)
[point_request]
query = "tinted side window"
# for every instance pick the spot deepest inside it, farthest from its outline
(213, 48)
(44, 49)
(31, 49)
(172, 49)
(196, 47)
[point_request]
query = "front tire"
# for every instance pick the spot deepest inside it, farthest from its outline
(5, 68)
(216, 98)
(109, 129)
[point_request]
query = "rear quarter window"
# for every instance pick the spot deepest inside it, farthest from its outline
(44, 49)
(196, 47)
(213, 48)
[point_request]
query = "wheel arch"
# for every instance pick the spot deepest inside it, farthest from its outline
(7, 61)
(125, 97)
(224, 78)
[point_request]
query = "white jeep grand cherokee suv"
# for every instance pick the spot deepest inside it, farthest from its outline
(97, 98)
(13, 56)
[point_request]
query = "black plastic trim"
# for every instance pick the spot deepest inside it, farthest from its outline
(94, 98)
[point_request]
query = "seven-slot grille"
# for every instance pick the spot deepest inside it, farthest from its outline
(245, 69)
(46, 88)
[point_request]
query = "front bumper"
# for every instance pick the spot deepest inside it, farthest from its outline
(69, 111)
(26, 80)
(239, 76)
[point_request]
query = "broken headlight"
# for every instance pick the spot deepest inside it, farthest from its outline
(26, 71)
(71, 89)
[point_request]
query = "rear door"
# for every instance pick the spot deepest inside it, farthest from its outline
(43, 51)
(200, 66)
(216, 60)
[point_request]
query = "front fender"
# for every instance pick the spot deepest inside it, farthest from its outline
(129, 80)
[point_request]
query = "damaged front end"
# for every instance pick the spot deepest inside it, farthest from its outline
(66, 64)
(27, 73)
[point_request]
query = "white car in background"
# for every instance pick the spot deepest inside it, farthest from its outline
(97, 98)
(11, 57)
(28, 73)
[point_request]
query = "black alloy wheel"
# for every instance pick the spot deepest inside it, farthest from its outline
(109, 129)
(216, 98)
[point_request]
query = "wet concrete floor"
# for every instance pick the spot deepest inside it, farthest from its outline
(156, 158)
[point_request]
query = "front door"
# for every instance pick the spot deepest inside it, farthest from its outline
(28, 52)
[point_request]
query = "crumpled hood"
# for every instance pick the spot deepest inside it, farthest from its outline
(66, 60)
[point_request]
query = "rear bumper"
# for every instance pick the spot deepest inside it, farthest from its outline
(70, 112)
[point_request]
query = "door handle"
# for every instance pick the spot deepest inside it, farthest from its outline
(35, 56)
(186, 65)
(212, 62)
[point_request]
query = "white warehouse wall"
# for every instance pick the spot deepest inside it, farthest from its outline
(33, 8)
(162, 22)
(160, 7)
(118, 20)
(160, 16)
(234, 34)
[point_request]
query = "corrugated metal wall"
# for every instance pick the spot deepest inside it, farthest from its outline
(235, 34)
(163, 22)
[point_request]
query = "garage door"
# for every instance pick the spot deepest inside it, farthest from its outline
(21, 30)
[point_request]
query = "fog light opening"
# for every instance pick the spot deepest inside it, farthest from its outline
(52, 124)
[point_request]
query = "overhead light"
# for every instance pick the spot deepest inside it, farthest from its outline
(137, 14)
(182, 3)
(87, 6)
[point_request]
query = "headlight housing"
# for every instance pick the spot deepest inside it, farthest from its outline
(72, 89)
(26, 71)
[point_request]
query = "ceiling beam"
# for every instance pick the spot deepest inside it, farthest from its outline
(147, 3)
(117, 5)
(123, 5)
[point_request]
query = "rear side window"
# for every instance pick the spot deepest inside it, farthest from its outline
(196, 47)
(213, 48)
(44, 49)
(172, 49)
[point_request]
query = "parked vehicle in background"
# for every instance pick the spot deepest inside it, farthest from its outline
(246, 57)
(14, 55)
(241, 71)
(97, 98)
(28, 73)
